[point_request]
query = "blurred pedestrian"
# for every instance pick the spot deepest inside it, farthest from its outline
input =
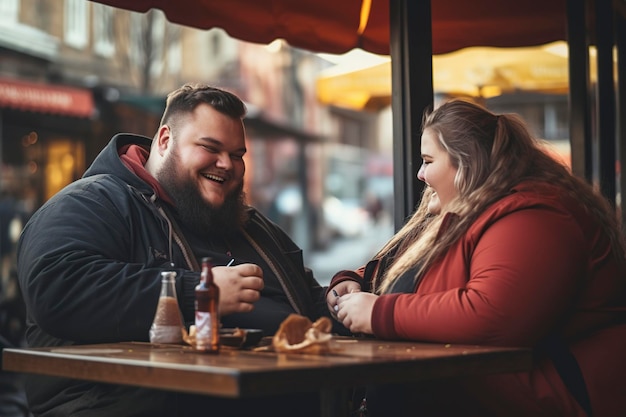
(374, 206)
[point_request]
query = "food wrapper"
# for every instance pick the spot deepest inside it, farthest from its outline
(229, 338)
(190, 337)
(297, 334)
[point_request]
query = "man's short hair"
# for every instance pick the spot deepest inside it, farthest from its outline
(185, 99)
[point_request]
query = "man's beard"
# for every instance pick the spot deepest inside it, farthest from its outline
(196, 213)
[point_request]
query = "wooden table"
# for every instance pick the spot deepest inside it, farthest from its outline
(245, 373)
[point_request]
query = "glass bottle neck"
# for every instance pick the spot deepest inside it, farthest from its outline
(207, 275)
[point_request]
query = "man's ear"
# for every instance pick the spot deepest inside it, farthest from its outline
(163, 139)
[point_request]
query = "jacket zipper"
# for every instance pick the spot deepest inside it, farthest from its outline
(275, 269)
(173, 236)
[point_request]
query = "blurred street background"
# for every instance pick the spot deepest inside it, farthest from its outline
(350, 252)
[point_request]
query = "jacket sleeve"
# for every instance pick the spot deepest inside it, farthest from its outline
(523, 276)
(76, 270)
(347, 275)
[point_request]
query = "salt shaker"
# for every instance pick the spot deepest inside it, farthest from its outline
(168, 324)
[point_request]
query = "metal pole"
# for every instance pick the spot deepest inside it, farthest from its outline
(579, 90)
(412, 92)
(605, 96)
(620, 42)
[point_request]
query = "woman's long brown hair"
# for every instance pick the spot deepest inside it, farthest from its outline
(493, 153)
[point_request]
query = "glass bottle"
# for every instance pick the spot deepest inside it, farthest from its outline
(167, 324)
(207, 314)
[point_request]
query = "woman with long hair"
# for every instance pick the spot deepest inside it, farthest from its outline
(507, 247)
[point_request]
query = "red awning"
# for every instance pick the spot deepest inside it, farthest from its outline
(338, 26)
(43, 98)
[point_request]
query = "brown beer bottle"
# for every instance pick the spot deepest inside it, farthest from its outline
(207, 314)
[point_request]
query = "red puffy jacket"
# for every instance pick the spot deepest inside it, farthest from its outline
(534, 264)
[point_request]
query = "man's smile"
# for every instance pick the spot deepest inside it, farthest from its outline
(215, 178)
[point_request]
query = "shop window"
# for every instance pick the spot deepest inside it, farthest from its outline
(76, 23)
(175, 52)
(103, 30)
(147, 34)
(9, 10)
(136, 36)
(158, 40)
(64, 163)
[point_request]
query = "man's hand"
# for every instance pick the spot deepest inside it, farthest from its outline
(240, 287)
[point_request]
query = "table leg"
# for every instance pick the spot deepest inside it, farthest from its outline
(335, 403)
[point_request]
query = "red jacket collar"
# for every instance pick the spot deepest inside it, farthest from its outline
(135, 157)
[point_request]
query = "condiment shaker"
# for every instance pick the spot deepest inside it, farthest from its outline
(168, 324)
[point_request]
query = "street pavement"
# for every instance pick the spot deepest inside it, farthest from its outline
(349, 252)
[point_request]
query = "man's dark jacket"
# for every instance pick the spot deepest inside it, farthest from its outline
(89, 263)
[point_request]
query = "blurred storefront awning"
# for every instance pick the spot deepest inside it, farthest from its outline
(262, 127)
(476, 72)
(45, 98)
(338, 26)
(257, 124)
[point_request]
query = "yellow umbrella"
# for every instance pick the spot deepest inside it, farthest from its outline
(357, 88)
(476, 71)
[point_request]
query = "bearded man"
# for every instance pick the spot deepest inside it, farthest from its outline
(89, 260)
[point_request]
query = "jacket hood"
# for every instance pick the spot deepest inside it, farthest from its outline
(532, 194)
(108, 160)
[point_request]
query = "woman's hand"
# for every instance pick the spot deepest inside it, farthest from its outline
(355, 311)
(344, 287)
(240, 287)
